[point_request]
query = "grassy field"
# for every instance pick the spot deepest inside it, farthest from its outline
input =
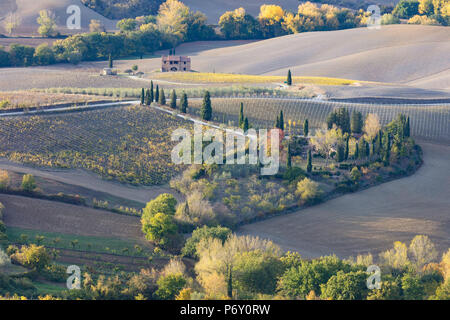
(246, 78)
(127, 144)
(75, 242)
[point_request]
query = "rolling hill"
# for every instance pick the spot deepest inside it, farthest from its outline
(399, 54)
(28, 11)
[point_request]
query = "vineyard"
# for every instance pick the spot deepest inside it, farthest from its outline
(127, 144)
(429, 122)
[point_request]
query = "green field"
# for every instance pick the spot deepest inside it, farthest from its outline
(88, 244)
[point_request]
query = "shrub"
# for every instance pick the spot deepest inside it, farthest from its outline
(355, 174)
(308, 190)
(389, 18)
(294, 173)
(33, 257)
(28, 183)
(170, 286)
(4, 179)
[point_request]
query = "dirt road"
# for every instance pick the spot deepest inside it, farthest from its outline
(371, 220)
(91, 181)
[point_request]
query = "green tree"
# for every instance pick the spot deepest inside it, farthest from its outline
(47, 23)
(356, 123)
(238, 24)
(256, 272)
(173, 100)
(110, 61)
(246, 125)
(309, 162)
(347, 148)
(33, 256)
(184, 104)
(28, 183)
(340, 153)
(346, 286)
(201, 233)
(288, 157)
(406, 9)
(143, 96)
(157, 93)
(127, 25)
(148, 97)
(159, 228)
(44, 55)
(164, 203)
(169, 286)
(152, 92)
(241, 116)
(289, 78)
(162, 97)
(305, 276)
(281, 124)
(206, 111)
(306, 128)
(412, 287)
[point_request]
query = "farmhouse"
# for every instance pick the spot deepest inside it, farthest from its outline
(175, 64)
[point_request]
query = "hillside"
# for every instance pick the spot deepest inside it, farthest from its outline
(394, 54)
(28, 11)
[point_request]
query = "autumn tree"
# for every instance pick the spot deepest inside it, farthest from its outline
(238, 24)
(47, 23)
(371, 127)
(422, 251)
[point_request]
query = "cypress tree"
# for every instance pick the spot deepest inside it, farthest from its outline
(356, 155)
(367, 146)
(162, 97)
(277, 122)
(289, 78)
(356, 122)
(152, 94)
(147, 97)
(110, 61)
(288, 157)
(309, 165)
(184, 104)
(407, 128)
(340, 153)
(362, 148)
(157, 93)
(281, 120)
(143, 96)
(306, 128)
(241, 116)
(245, 126)
(206, 111)
(173, 99)
(346, 148)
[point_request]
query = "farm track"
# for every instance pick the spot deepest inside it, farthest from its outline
(370, 220)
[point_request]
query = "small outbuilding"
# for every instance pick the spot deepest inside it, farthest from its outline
(173, 63)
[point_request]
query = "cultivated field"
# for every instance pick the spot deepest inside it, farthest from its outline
(47, 216)
(431, 122)
(371, 220)
(127, 144)
(25, 99)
